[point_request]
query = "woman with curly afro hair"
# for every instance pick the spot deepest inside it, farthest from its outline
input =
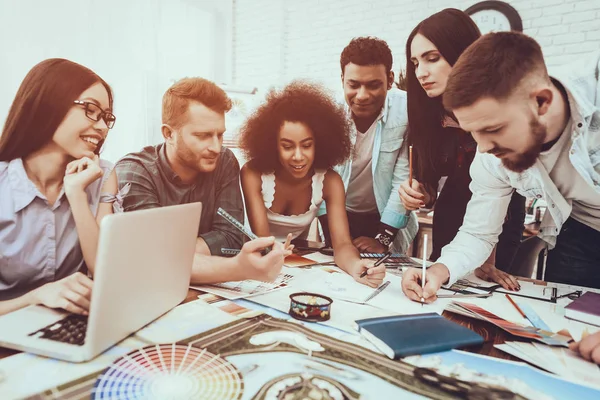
(292, 141)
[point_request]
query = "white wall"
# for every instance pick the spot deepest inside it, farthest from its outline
(138, 46)
(141, 46)
(278, 40)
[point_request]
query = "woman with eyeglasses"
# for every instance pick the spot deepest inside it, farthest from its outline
(55, 189)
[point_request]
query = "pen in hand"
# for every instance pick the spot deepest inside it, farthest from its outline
(377, 263)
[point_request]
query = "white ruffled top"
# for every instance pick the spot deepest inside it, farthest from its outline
(298, 225)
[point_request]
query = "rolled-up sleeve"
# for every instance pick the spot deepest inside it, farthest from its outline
(394, 214)
(483, 220)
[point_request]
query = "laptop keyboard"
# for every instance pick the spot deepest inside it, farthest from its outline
(70, 329)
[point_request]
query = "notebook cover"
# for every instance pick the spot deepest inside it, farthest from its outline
(588, 303)
(408, 335)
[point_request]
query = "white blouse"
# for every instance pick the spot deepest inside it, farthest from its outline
(281, 225)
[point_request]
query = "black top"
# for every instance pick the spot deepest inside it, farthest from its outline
(154, 184)
(457, 151)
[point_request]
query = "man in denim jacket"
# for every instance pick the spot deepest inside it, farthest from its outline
(377, 218)
(536, 134)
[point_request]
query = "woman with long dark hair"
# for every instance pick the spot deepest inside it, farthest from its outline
(441, 148)
(55, 189)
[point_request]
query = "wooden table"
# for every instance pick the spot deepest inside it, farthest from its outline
(491, 334)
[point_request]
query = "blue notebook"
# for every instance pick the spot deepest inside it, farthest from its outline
(406, 335)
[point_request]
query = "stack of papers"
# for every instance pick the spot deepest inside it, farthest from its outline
(247, 288)
(526, 332)
(560, 361)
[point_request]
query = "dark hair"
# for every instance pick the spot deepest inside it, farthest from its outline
(301, 102)
(367, 51)
(41, 103)
(177, 98)
(493, 67)
(451, 31)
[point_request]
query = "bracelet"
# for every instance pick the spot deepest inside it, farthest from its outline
(385, 238)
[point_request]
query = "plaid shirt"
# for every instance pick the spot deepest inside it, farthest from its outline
(154, 184)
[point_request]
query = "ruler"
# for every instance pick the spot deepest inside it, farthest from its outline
(533, 317)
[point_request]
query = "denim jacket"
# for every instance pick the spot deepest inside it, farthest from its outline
(492, 184)
(390, 169)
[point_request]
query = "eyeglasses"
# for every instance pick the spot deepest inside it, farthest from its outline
(95, 113)
(572, 296)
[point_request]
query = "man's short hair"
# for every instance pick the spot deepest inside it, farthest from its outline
(177, 98)
(367, 50)
(493, 66)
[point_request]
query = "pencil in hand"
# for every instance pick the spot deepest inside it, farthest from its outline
(377, 263)
(410, 166)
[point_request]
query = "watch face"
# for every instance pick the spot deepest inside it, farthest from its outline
(491, 21)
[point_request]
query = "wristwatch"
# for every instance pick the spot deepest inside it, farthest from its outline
(385, 238)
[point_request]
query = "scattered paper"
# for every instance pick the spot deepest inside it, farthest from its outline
(560, 361)
(319, 257)
(340, 286)
(524, 331)
(184, 321)
(296, 261)
(247, 288)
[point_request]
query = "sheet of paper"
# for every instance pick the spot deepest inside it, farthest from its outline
(230, 307)
(393, 299)
(296, 261)
(340, 286)
(327, 327)
(343, 314)
(499, 305)
(27, 374)
(559, 361)
(185, 321)
(581, 369)
(524, 331)
(319, 257)
(553, 316)
(247, 288)
(530, 289)
(516, 377)
(528, 355)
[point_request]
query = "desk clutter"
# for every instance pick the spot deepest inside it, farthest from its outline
(250, 346)
(406, 335)
(169, 371)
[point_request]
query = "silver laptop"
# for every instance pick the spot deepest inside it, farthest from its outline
(143, 270)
